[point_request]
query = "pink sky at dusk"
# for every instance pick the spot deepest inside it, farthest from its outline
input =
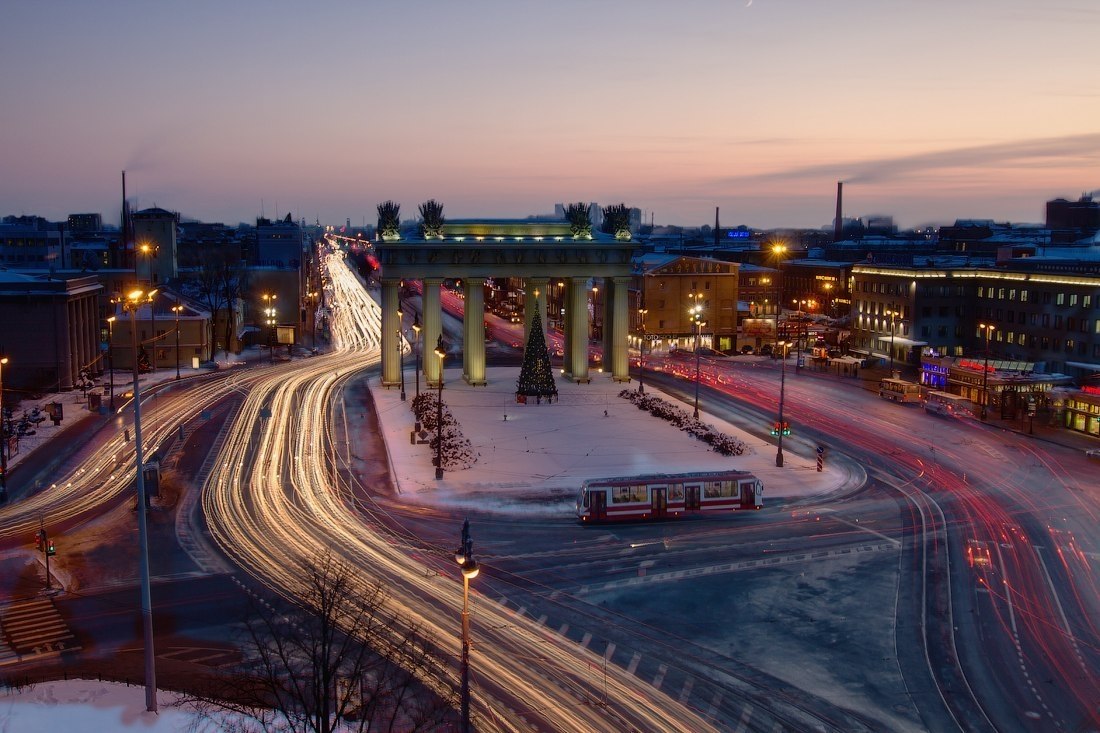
(931, 109)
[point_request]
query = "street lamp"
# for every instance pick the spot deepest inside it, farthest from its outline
(893, 315)
(176, 309)
(111, 357)
(132, 302)
(416, 343)
(464, 556)
(696, 314)
(441, 353)
(4, 441)
(777, 254)
(641, 362)
(401, 352)
(828, 288)
(798, 331)
(313, 314)
(782, 388)
(269, 319)
(988, 328)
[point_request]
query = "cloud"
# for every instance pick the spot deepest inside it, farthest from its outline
(1037, 152)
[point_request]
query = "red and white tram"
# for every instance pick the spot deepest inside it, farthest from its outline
(658, 496)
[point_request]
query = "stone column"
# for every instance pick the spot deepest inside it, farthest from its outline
(391, 356)
(578, 320)
(473, 332)
(533, 303)
(619, 360)
(567, 327)
(433, 326)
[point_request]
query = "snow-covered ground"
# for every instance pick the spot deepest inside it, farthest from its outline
(83, 706)
(533, 457)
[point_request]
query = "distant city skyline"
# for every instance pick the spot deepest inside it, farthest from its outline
(929, 111)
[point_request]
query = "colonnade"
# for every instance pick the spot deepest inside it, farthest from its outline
(576, 358)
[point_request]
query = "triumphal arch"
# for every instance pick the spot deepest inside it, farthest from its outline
(541, 252)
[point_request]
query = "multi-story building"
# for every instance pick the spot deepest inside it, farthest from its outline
(155, 243)
(1049, 320)
(671, 286)
(30, 243)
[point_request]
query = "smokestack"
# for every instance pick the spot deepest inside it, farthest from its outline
(715, 226)
(838, 223)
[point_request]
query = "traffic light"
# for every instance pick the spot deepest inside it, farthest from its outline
(775, 428)
(786, 428)
(50, 549)
(39, 537)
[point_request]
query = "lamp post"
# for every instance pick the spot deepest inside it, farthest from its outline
(153, 324)
(269, 319)
(464, 556)
(798, 333)
(441, 353)
(313, 315)
(987, 328)
(696, 314)
(176, 309)
(110, 357)
(641, 362)
(777, 254)
(4, 440)
(893, 315)
(132, 302)
(416, 345)
(401, 352)
(782, 388)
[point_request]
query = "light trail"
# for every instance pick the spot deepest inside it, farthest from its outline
(275, 504)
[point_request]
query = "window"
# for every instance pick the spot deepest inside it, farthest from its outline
(1011, 317)
(1057, 322)
(1023, 296)
(1046, 320)
(1061, 299)
(1000, 293)
(1073, 298)
(1012, 294)
(1010, 337)
(1086, 301)
(1071, 323)
(925, 332)
(981, 291)
(1069, 346)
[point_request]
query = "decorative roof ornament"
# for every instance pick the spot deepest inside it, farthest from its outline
(389, 221)
(579, 216)
(431, 219)
(616, 220)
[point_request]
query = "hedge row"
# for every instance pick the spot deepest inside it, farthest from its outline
(721, 443)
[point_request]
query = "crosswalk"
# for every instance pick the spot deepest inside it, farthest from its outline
(31, 628)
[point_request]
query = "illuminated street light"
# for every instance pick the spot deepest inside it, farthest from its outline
(464, 556)
(134, 299)
(110, 357)
(269, 319)
(893, 316)
(988, 328)
(401, 352)
(641, 365)
(176, 309)
(696, 314)
(441, 353)
(782, 345)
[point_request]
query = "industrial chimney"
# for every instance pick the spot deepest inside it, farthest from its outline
(838, 222)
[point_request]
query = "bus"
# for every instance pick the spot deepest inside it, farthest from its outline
(898, 390)
(945, 403)
(662, 496)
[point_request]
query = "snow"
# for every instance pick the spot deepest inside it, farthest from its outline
(88, 706)
(534, 457)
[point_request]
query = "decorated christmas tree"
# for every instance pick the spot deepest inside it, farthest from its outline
(536, 378)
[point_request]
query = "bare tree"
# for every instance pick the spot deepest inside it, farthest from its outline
(338, 660)
(219, 280)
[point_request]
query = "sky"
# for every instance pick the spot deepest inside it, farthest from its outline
(930, 110)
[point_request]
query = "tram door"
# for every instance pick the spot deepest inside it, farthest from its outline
(598, 501)
(659, 501)
(691, 496)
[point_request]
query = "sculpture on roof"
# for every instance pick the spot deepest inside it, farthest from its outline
(389, 221)
(431, 219)
(616, 220)
(580, 220)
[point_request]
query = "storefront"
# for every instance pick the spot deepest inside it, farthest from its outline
(1081, 411)
(1011, 389)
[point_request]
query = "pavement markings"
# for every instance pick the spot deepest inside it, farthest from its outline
(685, 693)
(608, 652)
(743, 723)
(585, 640)
(633, 663)
(661, 671)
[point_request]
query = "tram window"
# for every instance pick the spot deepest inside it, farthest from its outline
(712, 489)
(620, 494)
(640, 492)
(676, 492)
(585, 500)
